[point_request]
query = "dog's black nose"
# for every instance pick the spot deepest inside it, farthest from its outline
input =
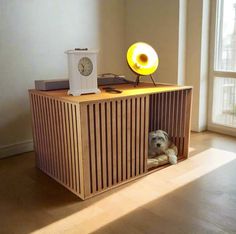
(158, 145)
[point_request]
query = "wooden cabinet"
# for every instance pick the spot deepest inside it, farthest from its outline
(95, 142)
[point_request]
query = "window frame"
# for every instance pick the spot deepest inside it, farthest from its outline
(215, 4)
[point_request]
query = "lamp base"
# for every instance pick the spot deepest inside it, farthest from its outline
(138, 77)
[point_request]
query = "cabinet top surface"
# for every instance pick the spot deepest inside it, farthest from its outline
(128, 90)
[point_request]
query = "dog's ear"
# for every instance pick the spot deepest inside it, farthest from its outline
(166, 135)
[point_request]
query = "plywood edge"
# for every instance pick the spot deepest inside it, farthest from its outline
(80, 153)
(188, 124)
(127, 91)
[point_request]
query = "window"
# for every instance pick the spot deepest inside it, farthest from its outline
(224, 105)
(226, 36)
(224, 66)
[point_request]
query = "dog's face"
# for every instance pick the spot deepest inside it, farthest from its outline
(159, 140)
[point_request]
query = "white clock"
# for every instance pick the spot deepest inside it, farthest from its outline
(82, 69)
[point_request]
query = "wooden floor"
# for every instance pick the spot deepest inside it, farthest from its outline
(196, 196)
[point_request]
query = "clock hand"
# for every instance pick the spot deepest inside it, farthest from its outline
(83, 67)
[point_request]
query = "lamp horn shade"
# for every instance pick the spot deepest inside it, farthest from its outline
(142, 58)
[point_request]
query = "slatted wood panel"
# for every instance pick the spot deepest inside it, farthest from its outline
(170, 111)
(114, 139)
(56, 140)
(94, 145)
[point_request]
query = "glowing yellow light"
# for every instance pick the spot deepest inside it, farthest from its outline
(142, 58)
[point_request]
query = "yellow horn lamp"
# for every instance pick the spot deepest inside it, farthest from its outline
(142, 59)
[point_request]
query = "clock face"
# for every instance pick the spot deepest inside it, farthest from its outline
(85, 66)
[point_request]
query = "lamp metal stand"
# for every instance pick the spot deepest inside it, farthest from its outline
(138, 78)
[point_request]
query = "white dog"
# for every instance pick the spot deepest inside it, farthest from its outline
(160, 149)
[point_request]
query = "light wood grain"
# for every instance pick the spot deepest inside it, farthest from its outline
(98, 147)
(85, 150)
(105, 171)
(128, 90)
(119, 155)
(124, 140)
(109, 144)
(93, 143)
(128, 160)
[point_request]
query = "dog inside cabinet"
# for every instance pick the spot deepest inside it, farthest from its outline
(161, 150)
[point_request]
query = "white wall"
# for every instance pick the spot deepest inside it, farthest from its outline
(197, 53)
(33, 37)
(157, 23)
(179, 31)
(182, 42)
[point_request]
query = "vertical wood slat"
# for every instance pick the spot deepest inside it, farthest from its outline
(85, 145)
(109, 145)
(133, 121)
(80, 168)
(142, 136)
(146, 124)
(32, 110)
(57, 139)
(155, 111)
(46, 136)
(124, 148)
(160, 111)
(40, 133)
(172, 117)
(64, 142)
(104, 148)
(72, 147)
(68, 144)
(175, 117)
(54, 155)
(137, 138)
(98, 147)
(151, 111)
(92, 148)
(180, 130)
(128, 160)
(169, 112)
(61, 136)
(188, 100)
(48, 163)
(119, 153)
(114, 145)
(35, 129)
(76, 150)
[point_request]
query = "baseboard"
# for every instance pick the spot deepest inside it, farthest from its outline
(222, 129)
(17, 148)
